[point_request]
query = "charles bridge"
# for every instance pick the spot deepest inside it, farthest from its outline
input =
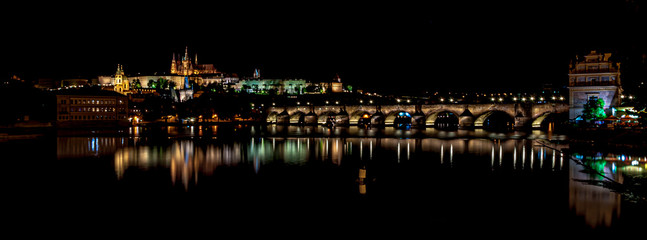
(467, 116)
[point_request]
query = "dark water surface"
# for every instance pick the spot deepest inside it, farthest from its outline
(315, 180)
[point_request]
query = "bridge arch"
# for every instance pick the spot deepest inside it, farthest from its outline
(445, 116)
(548, 120)
(495, 120)
(323, 117)
(271, 118)
(397, 117)
(355, 116)
(297, 117)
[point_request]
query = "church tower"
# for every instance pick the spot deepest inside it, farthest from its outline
(186, 62)
(121, 84)
(173, 65)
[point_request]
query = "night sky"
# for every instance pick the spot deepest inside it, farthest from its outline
(384, 46)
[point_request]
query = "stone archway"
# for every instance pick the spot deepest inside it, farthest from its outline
(495, 120)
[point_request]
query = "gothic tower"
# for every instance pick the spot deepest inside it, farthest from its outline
(173, 65)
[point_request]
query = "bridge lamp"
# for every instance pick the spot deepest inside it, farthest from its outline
(451, 100)
(514, 98)
(500, 99)
(307, 103)
(336, 102)
(541, 99)
(532, 98)
(631, 97)
(409, 100)
(361, 101)
(326, 102)
(370, 101)
(273, 104)
(622, 96)
(492, 99)
(298, 103)
(553, 98)
(561, 98)
(523, 99)
(442, 99)
(398, 100)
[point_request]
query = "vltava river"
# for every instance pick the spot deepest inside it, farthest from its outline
(314, 176)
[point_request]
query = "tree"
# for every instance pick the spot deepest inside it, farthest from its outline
(151, 83)
(137, 84)
(594, 110)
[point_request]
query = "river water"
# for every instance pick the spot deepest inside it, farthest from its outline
(320, 179)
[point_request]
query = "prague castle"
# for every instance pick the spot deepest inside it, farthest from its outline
(187, 66)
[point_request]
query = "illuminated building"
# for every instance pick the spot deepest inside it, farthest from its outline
(593, 77)
(267, 86)
(121, 84)
(259, 85)
(187, 66)
(78, 107)
(334, 86)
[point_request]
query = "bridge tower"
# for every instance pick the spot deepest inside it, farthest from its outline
(594, 76)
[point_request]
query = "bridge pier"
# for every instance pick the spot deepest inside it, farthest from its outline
(466, 120)
(283, 118)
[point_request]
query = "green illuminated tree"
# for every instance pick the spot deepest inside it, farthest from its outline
(594, 110)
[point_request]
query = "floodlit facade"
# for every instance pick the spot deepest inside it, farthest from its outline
(76, 107)
(593, 76)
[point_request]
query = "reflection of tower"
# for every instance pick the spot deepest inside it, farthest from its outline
(362, 180)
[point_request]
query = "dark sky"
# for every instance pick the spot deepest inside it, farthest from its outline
(466, 44)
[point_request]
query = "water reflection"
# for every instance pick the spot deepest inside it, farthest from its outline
(598, 205)
(351, 131)
(187, 161)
